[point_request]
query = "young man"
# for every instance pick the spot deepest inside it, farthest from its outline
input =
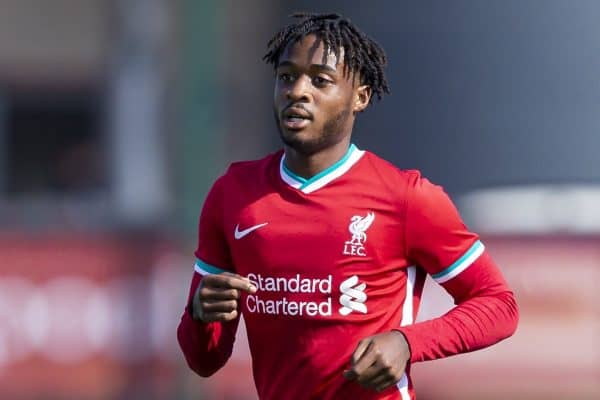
(324, 248)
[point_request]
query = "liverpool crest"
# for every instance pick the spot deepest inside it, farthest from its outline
(358, 226)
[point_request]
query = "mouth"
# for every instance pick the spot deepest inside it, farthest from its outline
(294, 118)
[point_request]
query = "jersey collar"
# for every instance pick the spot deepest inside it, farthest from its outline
(324, 177)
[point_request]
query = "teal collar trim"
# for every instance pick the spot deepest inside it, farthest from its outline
(322, 178)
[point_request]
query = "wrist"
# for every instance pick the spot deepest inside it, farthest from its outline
(404, 342)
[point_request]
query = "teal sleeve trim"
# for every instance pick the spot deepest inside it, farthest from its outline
(203, 268)
(461, 264)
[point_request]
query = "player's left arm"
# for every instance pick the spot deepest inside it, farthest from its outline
(485, 312)
(438, 241)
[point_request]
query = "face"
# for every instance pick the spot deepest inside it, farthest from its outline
(315, 102)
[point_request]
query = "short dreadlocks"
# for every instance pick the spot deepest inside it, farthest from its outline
(361, 53)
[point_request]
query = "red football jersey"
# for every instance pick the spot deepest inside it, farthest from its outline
(337, 258)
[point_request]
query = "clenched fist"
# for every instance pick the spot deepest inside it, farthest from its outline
(216, 298)
(379, 361)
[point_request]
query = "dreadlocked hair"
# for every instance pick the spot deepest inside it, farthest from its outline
(362, 54)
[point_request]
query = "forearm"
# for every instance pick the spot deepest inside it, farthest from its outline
(486, 313)
(474, 324)
(206, 346)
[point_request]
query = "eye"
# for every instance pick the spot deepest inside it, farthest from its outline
(320, 81)
(285, 77)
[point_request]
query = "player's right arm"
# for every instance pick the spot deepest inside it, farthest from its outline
(207, 329)
(208, 325)
(216, 297)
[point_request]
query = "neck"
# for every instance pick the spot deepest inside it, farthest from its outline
(308, 166)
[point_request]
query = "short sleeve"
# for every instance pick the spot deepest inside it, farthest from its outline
(212, 252)
(436, 237)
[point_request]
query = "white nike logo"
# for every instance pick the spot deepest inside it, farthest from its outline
(240, 234)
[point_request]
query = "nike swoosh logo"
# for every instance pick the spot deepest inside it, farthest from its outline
(240, 234)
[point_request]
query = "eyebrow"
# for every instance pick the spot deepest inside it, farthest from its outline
(315, 66)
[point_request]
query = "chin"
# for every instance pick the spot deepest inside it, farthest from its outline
(301, 143)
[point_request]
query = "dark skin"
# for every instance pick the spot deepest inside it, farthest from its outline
(315, 105)
(216, 298)
(330, 97)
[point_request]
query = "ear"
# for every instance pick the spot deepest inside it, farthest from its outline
(362, 96)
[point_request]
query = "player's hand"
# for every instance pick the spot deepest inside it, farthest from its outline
(379, 361)
(216, 298)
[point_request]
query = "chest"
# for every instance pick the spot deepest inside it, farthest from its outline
(315, 235)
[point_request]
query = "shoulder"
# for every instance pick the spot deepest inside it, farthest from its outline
(415, 190)
(245, 171)
(393, 175)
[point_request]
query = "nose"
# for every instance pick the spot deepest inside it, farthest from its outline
(299, 90)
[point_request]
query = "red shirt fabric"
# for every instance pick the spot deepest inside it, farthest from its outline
(336, 258)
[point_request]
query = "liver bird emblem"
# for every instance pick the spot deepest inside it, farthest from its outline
(358, 226)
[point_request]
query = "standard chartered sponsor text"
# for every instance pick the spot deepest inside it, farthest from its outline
(284, 306)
